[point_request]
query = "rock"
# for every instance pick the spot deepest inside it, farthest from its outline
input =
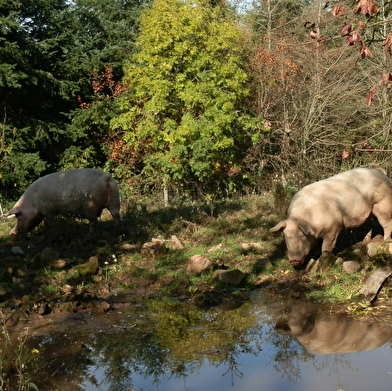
(313, 266)
(17, 250)
(175, 243)
(365, 270)
(49, 254)
(153, 250)
(339, 260)
(374, 248)
(264, 279)
(367, 238)
(351, 267)
(129, 247)
(44, 309)
(60, 263)
(105, 306)
(90, 267)
(323, 264)
(4, 289)
(98, 277)
(232, 277)
(374, 283)
(251, 246)
(22, 283)
(378, 245)
(21, 273)
(198, 264)
(215, 248)
(66, 288)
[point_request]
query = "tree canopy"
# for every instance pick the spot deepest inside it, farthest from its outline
(186, 109)
(194, 93)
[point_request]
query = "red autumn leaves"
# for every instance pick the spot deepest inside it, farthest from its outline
(364, 7)
(353, 37)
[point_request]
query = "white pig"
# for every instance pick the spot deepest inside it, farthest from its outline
(81, 192)
(322, 209)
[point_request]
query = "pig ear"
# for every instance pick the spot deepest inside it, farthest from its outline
(12, 212)
(279, 227)
(305, 228)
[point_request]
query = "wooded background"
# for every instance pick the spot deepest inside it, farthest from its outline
(209, 96)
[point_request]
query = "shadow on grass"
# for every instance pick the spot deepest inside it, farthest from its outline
(69, 236)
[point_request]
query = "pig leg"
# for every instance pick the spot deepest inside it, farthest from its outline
(93, 222)
(329, 242)
(383, 213)
(113, 204)
(116, 218)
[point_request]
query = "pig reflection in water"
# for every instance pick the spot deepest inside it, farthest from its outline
(320, 332)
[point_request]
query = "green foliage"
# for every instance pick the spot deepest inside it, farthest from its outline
(20, 168)
(50, 51)
(187, 90)
(10, 75)
(78, 157)
(186, 333)
(105, 37)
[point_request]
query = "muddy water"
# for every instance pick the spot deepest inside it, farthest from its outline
(166, 345)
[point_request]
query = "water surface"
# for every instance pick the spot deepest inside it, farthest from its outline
(168, 345)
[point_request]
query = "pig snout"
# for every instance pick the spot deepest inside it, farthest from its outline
(296, 255)
(295, 262)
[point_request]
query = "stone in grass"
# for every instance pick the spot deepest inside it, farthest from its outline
(129, 247)
(4, 289)
(264, 279)
(215, 248)
(373, 284)
(350, 267)
(175, 243)
(17, 250)
(232, 277)
(60, 263)
(254, 246)
(198, 264)
(153, 250)
(89, 268)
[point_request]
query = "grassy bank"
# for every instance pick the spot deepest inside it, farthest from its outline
(62, 270)
(63, 265)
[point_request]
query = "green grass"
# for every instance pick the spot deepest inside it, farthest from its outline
(199, 226)
(335, 287)
(51, 288)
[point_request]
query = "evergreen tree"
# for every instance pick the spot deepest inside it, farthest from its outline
(103, 35)
(50, 51)
(26, 91)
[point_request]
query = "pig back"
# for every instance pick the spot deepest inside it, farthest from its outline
(80, 192)
(346, 199)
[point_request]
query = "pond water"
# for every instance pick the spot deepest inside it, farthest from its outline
(167, 345)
